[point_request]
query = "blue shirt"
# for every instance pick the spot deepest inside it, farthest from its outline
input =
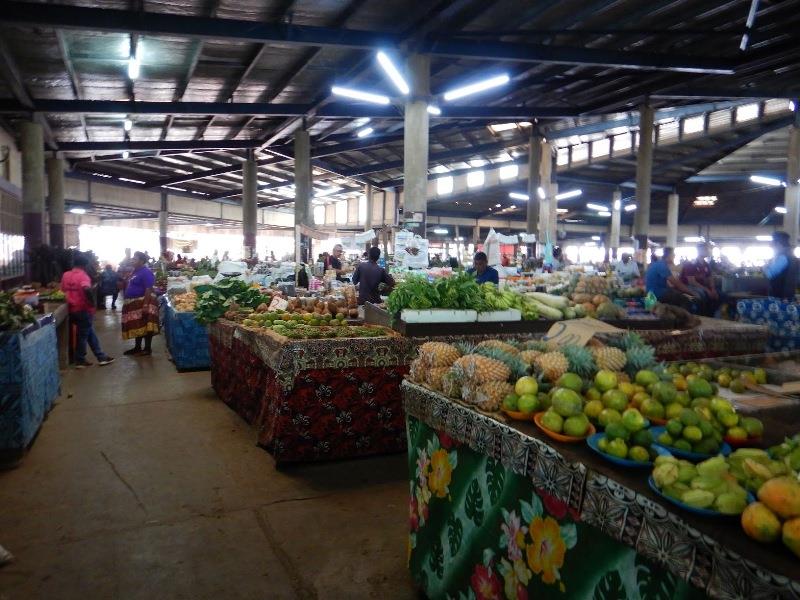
(778, 265)
(656, 279)
(490, 274)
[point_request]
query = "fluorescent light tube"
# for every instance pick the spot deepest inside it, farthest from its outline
(474, 88)
(394, 74)
(694, 239)
(361, 121)
(781, 210)
(133, 66)
(764, 238)
(596, 238)
(365, 132)
(434, 110)
(518, 196)
(604, 213)
(600, 207)
(125, 154)
(78, 211)
(359, 95)
(440, 231)
(127, 124)
(630, 207)
(766, 180)
(569, 194)
(540, 193)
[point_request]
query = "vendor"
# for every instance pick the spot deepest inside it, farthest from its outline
(482, 271)
(697, 276)
(335, 262)
(368, 276)
(626, 268)
(667, 288)
(782, 271)
(559, 262)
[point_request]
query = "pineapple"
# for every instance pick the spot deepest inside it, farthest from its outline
(639, 357)
(529, 356)
(489, 396)
(538, 345)
(479, 369)
(612, 359)
(434, 377)
(438, 354)
(580, 360)
(517, 366)
(500, 345)
(451, 386)
(552, 364)
(627, 341)
(416, 372)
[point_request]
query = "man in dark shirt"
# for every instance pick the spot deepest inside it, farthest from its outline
(335, 262)
(697, 276)
(483, 272)
(368, 276)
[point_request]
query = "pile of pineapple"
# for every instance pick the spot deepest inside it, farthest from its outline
(484, 374)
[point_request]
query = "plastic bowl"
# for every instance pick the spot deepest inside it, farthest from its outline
(698, 511)
(593, 443)
(559, 437)
(518, 416)
(748, 443)
(724, 448)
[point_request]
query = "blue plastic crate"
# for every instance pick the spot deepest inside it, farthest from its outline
(187, 340)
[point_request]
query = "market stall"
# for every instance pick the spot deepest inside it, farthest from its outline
(29, 384)
(187, 340)
(499, 510)
(313, 399)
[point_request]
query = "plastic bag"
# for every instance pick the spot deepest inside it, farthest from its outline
(492, 248)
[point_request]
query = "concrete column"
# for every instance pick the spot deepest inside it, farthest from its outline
(545, 205)
(644, 175)
(415, 140)
(476, 235)
(303, 189)
(163, 220)
(552, 225)
(673, 203)
(55, 189)
(250, 204)
(534, 182)
(616, 220)
(370, 205)
(32, 146)
(791, 195)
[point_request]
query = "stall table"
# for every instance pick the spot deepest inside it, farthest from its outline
(315, 399)
(29, 385)
(187, 340)
(498, 510)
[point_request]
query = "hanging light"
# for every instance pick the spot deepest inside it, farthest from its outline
(127, 124)
(434, 110)
(477, 87)
(393, 72)
(359, 95)
(134, 66)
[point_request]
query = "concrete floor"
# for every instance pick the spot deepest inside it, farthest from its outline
(142, 484)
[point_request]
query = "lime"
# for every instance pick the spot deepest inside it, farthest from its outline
(692, 433)
(638, 454)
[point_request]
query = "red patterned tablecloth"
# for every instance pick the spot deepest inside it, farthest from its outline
(313, 399)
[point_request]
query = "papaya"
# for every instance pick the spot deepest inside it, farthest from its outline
(760, 523)
(782, 496)
(791, 535)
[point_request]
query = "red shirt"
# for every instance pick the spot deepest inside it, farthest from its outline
(73, 284)
(697, 269)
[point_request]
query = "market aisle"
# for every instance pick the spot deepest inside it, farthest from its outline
(142, 484)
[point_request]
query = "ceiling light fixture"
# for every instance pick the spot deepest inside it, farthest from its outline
(365, 132)
(561, 211)
(540, 193)
(617, 204)
(694, 239)
(78, 211)
(359, 95)
(780, 210)
(474, 88)
(764, 238)
(599, 207)
(569, 194)
(125, 154)
(604, 213)
(518, 196)
(596, 238)
(434, 110)
(705, 201)
(393, 72)
(134, 67)
(498, 205)
(361, 121)
(767, 180)
(127, 124)
(629, 207)
(139, 181)
(440, 231)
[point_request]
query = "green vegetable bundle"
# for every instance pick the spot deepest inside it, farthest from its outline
(459, 292)
(215, 300)
(14, 316)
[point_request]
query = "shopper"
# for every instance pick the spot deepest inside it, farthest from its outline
(109, 286)
(697, 276)
(626, 268)
(368, 276)
(782, 271)
(77, 288)
(335, 262)
(483, 272)
(667, 288)
(140, 309)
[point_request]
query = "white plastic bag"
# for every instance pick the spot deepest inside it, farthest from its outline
(492, 248)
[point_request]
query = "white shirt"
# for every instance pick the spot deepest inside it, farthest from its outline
(627, 271)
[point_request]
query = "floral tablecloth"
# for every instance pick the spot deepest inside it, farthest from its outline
(313, 399)
(495, 513)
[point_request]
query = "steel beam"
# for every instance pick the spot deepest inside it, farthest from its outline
(726, 92)
(178, 179)
(150, 23)
(185, 145)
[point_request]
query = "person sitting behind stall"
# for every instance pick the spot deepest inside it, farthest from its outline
(482, 271)
(667, 288)
(626, 268)
(436, 261)
(368, 276)
(698, 277)
(782, 270)
(558, 263)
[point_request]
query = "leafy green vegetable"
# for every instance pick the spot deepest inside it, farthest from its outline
(215, 302)
(13, 316)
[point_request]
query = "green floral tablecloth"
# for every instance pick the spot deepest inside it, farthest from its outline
(495, 513)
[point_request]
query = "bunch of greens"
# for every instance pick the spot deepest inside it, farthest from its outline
(460, 291)
(214, 300)
(14, 316)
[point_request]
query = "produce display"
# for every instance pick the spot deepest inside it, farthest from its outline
(347, 307)
(185, 302)
(727, 377)
(215, 300)
(310, 326)
(14, 315)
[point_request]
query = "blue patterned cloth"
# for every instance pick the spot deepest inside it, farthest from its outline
(187, 340)
(29, 383)
(781, 317)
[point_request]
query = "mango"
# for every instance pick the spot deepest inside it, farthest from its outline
(791, 535)
(760, 523)
(782, 496)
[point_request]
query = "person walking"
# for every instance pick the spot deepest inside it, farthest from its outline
(77, 288)
(140, 308)
(109, 286)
